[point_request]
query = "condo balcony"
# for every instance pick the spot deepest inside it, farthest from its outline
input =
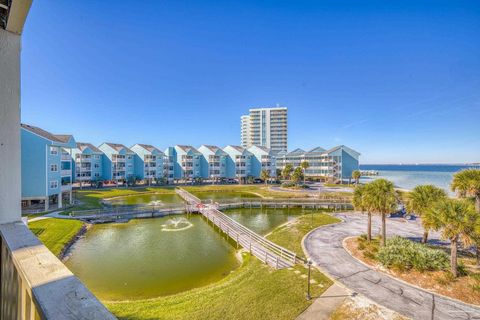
(37, 285)
(66, 172)
(34, 283)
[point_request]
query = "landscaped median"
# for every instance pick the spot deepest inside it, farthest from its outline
(420, 265)
(253, 291)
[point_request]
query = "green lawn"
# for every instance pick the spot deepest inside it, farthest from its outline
(91, 199)
(290, 235)
(257, 189)
(55, 233)
(253, 291)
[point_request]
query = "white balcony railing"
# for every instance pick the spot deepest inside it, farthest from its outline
(66, 172)
(66, 187)
(66, 157)
(36, 285)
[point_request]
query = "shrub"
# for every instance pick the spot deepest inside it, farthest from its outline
(288, 185)
(405, 254)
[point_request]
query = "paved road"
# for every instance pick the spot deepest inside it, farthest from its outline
(324, 245)
(316, 188)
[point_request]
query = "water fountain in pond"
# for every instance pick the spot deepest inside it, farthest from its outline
(155, 203)
(177, 224)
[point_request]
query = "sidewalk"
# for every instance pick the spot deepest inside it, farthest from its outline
(326, 304)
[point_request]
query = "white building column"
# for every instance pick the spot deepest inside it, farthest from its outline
(59, 200)
(47, 203)
(10, 161)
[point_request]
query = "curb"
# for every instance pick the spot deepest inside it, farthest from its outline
(405, 282)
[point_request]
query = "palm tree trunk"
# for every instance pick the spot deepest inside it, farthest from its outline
(425, 236)
(477, 255)
(369, 227)
(453, 256)
(384, 229)
(477, 203)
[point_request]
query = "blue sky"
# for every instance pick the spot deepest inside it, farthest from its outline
(399, 81)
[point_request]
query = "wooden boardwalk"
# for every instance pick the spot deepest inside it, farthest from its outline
(265, 250)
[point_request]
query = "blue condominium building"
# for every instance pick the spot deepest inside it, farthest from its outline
(239, 163)
(213, 163)
(335, 164)
(117, 162)
(186, 162)
(50, 163)
(46, 168)
(263, 159)
(87, 163)
(150, 163)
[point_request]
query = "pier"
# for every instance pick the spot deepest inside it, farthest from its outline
(265, 250)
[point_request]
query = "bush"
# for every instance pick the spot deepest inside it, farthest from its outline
(288, 185)
(405, 254)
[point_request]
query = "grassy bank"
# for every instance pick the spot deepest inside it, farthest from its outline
(253, 291)
(290, 235)
(91, 199)
(55, 233)
(258, 190)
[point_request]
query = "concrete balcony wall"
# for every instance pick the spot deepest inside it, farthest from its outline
(36, 285)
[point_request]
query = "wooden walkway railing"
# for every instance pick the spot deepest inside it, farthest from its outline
(265, 250)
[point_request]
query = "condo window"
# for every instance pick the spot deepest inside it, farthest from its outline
(53, 150)
(53, 168)
(53, 184)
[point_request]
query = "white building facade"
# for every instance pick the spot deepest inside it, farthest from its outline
(266, 127)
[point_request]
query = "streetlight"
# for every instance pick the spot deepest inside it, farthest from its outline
(309, 263)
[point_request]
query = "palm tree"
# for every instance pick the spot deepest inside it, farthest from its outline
(265, 175)
(359, 204)
(287, 171)
(380, 198)
(467, 184)
(304, 165)
(455, 219)
(297, 175)
(356, 174)
(421, 199)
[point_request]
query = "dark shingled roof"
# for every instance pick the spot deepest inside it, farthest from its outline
(83, 145)
(187, 148)
(47, 135)
(117, 146)
(148, 147)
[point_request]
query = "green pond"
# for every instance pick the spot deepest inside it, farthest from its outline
(146, 258)
(147, 199)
